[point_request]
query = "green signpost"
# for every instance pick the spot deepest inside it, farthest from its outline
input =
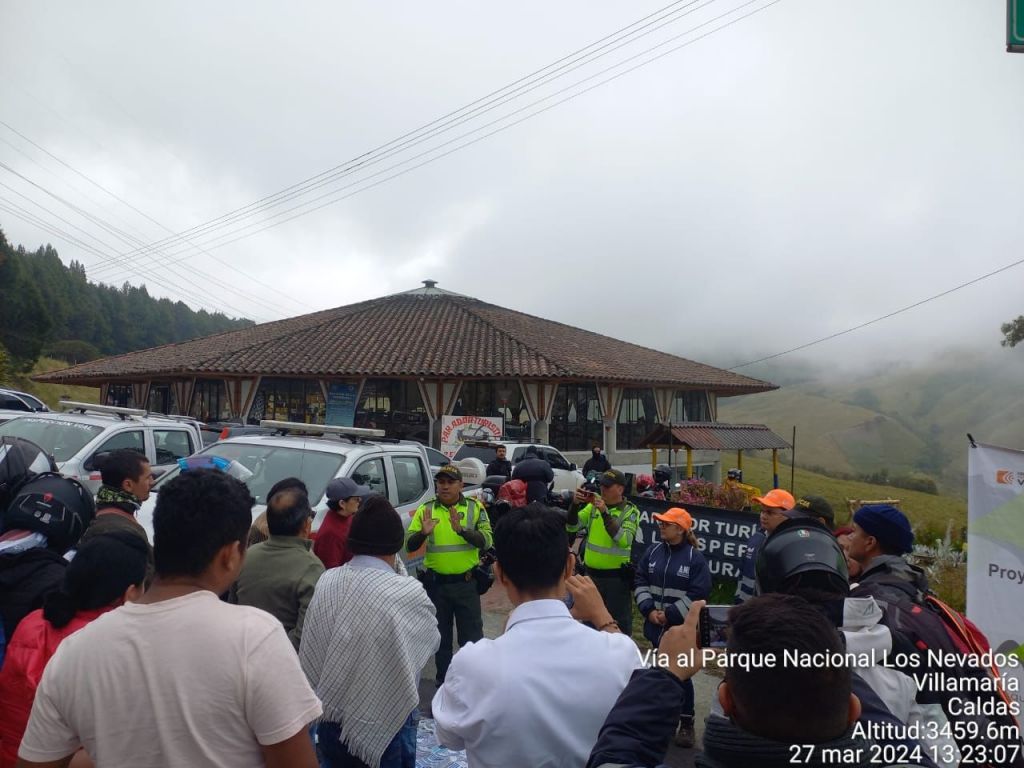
(1015, 26)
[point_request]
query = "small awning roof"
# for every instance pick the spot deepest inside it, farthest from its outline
(714, 436)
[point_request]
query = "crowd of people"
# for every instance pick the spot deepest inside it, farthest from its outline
(204, 649)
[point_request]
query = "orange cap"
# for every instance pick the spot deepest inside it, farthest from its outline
(777, 498)
(676, 515)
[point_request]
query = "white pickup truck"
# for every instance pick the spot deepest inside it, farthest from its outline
(399, 470)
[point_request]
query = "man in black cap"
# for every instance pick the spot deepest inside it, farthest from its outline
(610, 521)
(536, 473)
(455, 529)
(816, 508)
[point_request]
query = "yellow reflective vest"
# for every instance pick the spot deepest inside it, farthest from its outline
(603, 552)
(447, 551)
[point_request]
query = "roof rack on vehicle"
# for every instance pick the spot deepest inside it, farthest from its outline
(123, 413)
(355, 434)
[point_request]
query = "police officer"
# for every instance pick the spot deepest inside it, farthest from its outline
(610, 521)
(455, 530)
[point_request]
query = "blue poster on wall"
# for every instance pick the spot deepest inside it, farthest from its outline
(341, 404)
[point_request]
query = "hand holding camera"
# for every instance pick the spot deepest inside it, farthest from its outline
(679, 644)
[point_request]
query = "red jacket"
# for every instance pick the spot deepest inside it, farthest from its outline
(34, 643)
(331, 542)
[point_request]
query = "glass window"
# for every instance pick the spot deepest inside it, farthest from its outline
(496, 397)
(371, 473)
(554, 458)
(269, 464)
(295, 400)
(637, 416)
(12, 403)
(436, 458)
(210, 401)
(120, 395)
(410, 478)
(689, 405)
(132, 440)
(60, 439)
(576, 418)
(172, 444)
(396, 407)
(162, 399)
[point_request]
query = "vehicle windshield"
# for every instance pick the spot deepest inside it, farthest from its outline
(60, 439)
(485, 453)
(270, 463)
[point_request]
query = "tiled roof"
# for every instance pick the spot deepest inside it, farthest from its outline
(716, 436)
(427, 332)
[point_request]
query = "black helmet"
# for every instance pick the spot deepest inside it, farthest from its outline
(59, 507)
(802, 556)
(662, 472)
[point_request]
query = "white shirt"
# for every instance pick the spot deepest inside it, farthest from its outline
(536, 696)
(188, 682)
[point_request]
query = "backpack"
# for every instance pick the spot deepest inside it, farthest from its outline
(933, 626)
(59, 507)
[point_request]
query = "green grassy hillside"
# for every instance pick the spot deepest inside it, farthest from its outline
(929, 514)
(904, 418)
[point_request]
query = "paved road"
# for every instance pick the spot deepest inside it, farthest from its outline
(496, 609)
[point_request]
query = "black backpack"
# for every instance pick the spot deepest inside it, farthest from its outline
(59, 507)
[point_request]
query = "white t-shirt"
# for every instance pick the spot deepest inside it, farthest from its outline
(536, 696)
(185, 682)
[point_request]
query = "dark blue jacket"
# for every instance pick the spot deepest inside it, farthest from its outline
(637, 731)
(669, 579)
(746, 587)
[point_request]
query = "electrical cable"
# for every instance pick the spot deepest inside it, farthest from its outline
(212, 243)
(879, 319)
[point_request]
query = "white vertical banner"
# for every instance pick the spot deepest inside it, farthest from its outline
(995, 551)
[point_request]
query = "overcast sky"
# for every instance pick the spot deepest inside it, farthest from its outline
(803, 170)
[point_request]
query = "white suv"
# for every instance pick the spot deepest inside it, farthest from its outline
(567, 475)
(75, 439)
(399, 470)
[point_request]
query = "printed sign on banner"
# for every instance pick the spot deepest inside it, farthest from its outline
(995, 550)
(456, 430)
(722, 533)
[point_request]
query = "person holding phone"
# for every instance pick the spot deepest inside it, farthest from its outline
(670, 576)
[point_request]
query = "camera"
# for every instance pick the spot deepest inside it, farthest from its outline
(712, 629)
(590, 484)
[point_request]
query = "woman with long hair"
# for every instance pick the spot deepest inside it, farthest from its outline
(108, 570)
(672, 574)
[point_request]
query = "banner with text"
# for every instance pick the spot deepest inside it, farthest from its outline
(995, 549)
(722, 533)
(456, 430)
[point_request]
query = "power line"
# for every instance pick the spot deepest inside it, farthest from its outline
(38, 221)
(212, 243)
(126, 238)
(879, 319)
(148, 217)
(363, 160)
(29, 218)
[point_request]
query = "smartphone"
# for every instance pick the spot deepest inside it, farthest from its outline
(713, 626)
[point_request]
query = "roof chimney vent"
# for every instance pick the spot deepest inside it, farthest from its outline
(430, 283)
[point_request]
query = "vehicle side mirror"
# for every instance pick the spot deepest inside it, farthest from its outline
(92, 464)
(572, 467)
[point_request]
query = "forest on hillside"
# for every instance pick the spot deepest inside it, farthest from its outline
(53, 309)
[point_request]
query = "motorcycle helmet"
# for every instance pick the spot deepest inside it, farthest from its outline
(798, 557)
